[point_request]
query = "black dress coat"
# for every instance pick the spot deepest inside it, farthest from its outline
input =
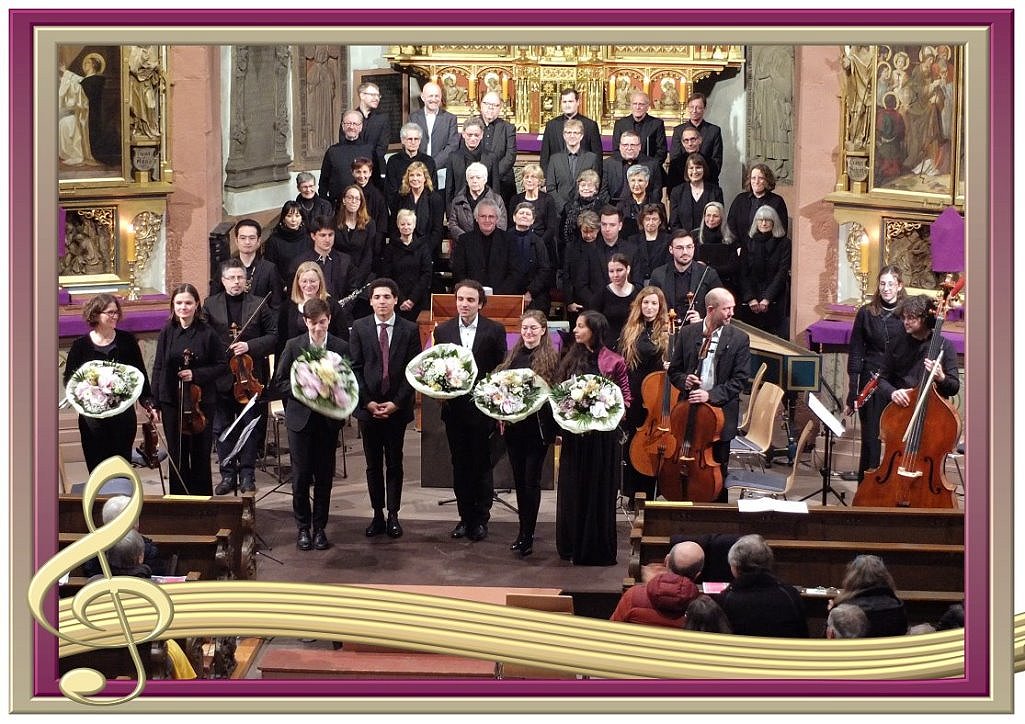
(336, 168)
(430, 217)
(410, 267)
(500, 269)
(765, 274)
(742, 212)
(613, 176)
(711, 148)
(396, 169)
(652, 131)
(759, 604)
(684, 211)
(553, 143)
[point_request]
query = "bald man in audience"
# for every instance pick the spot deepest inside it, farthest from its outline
(662, 598)
(440, 129)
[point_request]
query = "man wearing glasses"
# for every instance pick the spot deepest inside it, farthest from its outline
(553, 140)
(499, 145)
(336, 169)
(683, 275)
(710, 134)
(651, 130)
(375, 126)
(613, 175)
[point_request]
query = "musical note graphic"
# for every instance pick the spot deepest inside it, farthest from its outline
(80, 684)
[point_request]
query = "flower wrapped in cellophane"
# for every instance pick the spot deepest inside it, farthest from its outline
(587, 403)
(324, 382)
(510, 395)
(443, 371)
(103, 389)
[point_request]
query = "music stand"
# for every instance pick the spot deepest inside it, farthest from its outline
(833, 426)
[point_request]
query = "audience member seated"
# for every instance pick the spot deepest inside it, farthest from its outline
(486, 252)
(151, 555)
(869, 586)
(662, 600)
(757, 603)
(463, 207)
(704, 614)
(846, 621)
(953, 617)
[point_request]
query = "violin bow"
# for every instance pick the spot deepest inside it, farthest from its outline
(250, 319)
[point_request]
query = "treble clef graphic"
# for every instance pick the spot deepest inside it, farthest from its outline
(80, 684)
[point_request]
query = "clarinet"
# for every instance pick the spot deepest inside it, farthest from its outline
(346, 300)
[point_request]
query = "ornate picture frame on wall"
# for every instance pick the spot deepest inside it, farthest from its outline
(88, 250)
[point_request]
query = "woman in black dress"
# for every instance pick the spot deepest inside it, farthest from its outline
(765, 274)
(877, 327)
(688, 200)
(653, 237)
(589, 465)
(289, 239)
(527, 441)
(417, 194)
(614, 299)
(631, 206)
(546, 213)
(758, 192)
(187, 330)
(407, 261)
(103, 438)
(356, 235)
(715, 246)
(644, 343)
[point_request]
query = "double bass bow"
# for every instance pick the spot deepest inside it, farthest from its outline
(917, 438)
(654, 444)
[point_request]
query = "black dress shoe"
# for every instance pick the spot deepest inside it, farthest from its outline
(459, 531)
(516, 544)
(478, 532)
(376, 527)
(248, 485)
(226, 485)
(320, 541)
(394, 529)
(526, 547)
(303, 541)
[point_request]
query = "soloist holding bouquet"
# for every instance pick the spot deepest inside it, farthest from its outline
(101, 389)
(587, 403)
(443, 371)
(510, 395)
(323, 381)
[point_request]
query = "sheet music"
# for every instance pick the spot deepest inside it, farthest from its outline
(825, 415)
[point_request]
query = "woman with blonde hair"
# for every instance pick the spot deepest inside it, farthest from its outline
(407, 260)
(308, 283)
(417, 193)
(546, 215)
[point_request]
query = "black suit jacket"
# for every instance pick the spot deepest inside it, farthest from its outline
(365, 350)
(685, 212)
(664, 277)
(265, 278)
(711, 149)
(499, 144)
(500, 270)
(613, 177)
(336, 168)
(559, 179)
(297, 415)
(261, 333)
(489, 348)
(732, 368)
(445, 138)
(652, 132)
(552, 141)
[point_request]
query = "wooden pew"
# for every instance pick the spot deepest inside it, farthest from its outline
(214, 536)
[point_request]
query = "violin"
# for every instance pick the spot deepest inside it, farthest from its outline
(192, 420)
(696, 476)
(245, 385)
(654, 444)
(917, 438)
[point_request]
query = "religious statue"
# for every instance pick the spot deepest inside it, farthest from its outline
(454, 93)
(73, 125)
(858, 97)
(670, 98)
(144, 90)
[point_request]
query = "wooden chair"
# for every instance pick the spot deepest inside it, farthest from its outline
(755, 386)
(536, 602)
(774, 485)
(763, 419)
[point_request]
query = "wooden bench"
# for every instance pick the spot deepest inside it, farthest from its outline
(214, 536)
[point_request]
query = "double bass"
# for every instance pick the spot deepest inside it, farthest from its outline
(654, 443)
(917, 439)
(694, 475)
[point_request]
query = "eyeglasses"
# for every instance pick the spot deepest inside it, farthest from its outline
(489, 104)
(111, 312)
(352, 123)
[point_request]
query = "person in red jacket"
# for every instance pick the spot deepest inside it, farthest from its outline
(663, 598)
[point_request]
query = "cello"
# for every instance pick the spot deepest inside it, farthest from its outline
(917, 439)
(654, 444)
(695, 475)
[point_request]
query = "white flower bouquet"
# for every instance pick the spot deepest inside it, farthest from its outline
(510, 395)
(103, 389)
(324, 382)
(587, 403)
(443, 371)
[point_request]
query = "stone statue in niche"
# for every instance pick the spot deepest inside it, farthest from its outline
(145, 77)
(87, 246)
(858, 96)
(772, 100)
(454, 93)
(320, 97)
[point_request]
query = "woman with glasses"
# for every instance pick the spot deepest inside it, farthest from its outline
(356, 235)
(102, 438)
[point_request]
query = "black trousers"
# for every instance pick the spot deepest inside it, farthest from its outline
(104, 438)
(527, 458)
(245, 462)
(193, 457)
(871, 445)
(382, 445)
(472, 481)
(313, 451)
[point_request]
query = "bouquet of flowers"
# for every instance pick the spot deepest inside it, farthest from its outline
(510, 395)
(324, 382)
(443, 371)
(587, 403)
(103, 389)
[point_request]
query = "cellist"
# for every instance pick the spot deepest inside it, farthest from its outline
(907, 362)
(723, 372)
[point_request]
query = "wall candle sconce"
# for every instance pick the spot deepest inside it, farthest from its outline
(858, 251)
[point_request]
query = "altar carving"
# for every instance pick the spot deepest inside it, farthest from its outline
(529, 78)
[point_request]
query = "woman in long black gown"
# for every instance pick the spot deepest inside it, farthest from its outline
(614, 299)
(589, 465)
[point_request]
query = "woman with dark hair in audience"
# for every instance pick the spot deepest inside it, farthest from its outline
(103, 438)
(187, 330)
(407, 260)
(644, 343)
(638, 180)
(688, 201)
(377, 207)
(758, 192)
(308, 284)
(528, 440)
(536, 277)
(546, 215)
(704, 614)
(589, 465)
(653, 237)
(613, 300)
(417, 193)
(869, 586)
(356, 235)
(765, 274)
(288, 240)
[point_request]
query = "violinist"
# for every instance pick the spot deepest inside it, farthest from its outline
(907, 362)
(102, 438)
(721, 375)
(877, 328)
(248, 327)
(185, 394)
(685, 281)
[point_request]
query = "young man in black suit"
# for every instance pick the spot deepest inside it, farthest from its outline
(467, 428)
(312, 437)
(552, 140)
(382, 345)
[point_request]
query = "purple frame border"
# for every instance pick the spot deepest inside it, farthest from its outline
(999, 22)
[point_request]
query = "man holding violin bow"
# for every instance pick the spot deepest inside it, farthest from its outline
(249, 328)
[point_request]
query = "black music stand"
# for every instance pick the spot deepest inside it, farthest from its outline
(833, 426)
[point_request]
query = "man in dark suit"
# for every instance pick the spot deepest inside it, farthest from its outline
(486, 253)
(719, 378)
(440, 128)
(312, 437)
(565, 166)
(336, 168)
(382, 345)
(553, 140)
(338, 267)
(410, 135)
(248, 326)
(683, 275)
(651, 130)
(612, 242)
(469, 430)
(261, 275)
(499, 146)
(375, 124)
(613, 174)
(711, 138)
